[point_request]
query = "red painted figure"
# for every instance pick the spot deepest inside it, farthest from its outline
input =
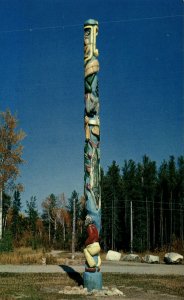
(92, 246)
(92, 235)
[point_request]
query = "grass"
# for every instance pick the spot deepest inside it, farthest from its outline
(47, 286)
(168, 284)
(26, 256)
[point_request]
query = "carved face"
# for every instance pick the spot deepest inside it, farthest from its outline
(88, 220)
(87, 34)
(90, 33)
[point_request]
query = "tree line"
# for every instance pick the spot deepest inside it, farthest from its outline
(51, 228)
(157, 197)
(155, 193)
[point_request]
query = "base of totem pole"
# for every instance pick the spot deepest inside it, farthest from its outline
(92, 281)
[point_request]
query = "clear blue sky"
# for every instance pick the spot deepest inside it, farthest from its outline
(140, 84)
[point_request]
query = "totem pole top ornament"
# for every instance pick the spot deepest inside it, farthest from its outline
(90, 33)
(92, 182)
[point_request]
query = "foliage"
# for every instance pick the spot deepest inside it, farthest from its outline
(76, 204)
(156, 194)
(56, 220)
(10, 148)
(32, 213)
(157, 197)
(16, 217)
(6, 244)
(6, 204)
(111, 206)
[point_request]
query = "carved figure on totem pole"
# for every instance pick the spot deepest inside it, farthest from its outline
(92, 184)
(92, 250)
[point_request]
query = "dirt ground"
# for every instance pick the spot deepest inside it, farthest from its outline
(134, 293)
(42, 286)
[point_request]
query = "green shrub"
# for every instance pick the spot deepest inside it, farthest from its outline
(6, 244)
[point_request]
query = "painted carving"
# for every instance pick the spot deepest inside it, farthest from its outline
(92, 250)
(92, 184)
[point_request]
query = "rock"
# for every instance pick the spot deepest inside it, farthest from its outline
(105, 291)
(113, 255)
(173, 258)
(117, 292)
(132, 257)
(67, 288)
(151, 259)
(44, 261)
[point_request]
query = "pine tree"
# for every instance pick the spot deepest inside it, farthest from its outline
(32, 213)
(149, 190)
(6, 207)
(16, 221)
(180, 198)
(162, 207)
(132, 189)
(75, 209)
(111, 208)
(172, 190)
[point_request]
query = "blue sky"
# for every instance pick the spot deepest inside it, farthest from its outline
(140, 84)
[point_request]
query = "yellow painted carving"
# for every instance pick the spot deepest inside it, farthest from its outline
(90, 43)
(96, 130)
(89, 252)
(87, 128)
(92, 67)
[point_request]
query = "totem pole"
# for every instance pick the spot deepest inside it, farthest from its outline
(92, 188)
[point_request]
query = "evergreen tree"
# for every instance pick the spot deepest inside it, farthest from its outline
(75, 204)
(132, 188)
(111, 208)
(162, 205)
(180, 198)
(32, 213)
(6, 207)
(149, 178)
(16, 220)
(172, 177)
(106, 214)
(158, 203)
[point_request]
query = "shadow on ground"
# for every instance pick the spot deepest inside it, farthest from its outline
(73, 274)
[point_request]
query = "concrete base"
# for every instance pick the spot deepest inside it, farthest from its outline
(92, 281)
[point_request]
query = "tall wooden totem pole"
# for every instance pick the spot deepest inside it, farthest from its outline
(92, 185)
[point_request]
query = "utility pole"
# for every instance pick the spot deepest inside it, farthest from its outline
(131, 228)
(73, 231)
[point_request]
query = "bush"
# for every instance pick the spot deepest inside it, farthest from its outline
(6, 244)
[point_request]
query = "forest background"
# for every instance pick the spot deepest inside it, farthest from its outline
(156, 194)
